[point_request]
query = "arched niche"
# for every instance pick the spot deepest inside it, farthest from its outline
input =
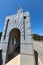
(13, 44)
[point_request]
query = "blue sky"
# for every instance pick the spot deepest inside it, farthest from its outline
(35, 7)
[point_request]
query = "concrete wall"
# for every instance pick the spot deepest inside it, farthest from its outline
(26, 49)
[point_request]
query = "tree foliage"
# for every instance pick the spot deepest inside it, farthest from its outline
(37, 37)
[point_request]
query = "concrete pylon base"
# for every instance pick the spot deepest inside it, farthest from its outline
(17, 32)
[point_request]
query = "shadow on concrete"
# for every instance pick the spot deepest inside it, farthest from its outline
(1, 61)
(36, 56)
(14, 54)
(13, 48)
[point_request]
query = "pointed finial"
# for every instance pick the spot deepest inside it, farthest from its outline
(20, 10)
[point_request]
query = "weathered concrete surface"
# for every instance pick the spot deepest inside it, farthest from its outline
(14, 61)
(20, 21)
(38, 46)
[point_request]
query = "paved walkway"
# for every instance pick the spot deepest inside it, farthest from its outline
(14, 61)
